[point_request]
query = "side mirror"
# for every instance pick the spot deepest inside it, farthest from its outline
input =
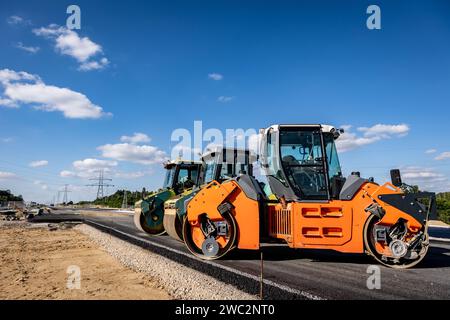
(396, 178)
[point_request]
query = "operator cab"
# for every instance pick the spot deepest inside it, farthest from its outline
(222, 164)
(181, 175)
(301, 162)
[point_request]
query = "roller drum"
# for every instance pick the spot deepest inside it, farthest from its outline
(172, 224)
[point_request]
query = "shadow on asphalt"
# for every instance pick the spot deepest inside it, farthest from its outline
(436, 257)
(283, 253)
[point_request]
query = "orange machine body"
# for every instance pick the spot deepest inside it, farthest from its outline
(335, 224)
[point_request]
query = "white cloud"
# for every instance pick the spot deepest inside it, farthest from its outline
(385, 130)
(430, 151)
(88, 168)
(17, 20)
(7, 76)
(143, 154)
(225, 99)
(67, 174)
(443, 156)
(136, 138)
(8, 103)
(93, 164)
(41, 184)
(345, 127)
(426, 178)
(130, 175)
(94, 65)
(38, 163)
(423, 175)
(350, 140)
(7, 175)
(25, 88)
(68, 42)
(29, 49)
(215, 76)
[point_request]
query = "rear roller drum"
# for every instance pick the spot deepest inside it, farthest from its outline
(210, 240)
(394, 252)
(172, 224)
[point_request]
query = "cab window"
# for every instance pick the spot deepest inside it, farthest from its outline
(302, 160)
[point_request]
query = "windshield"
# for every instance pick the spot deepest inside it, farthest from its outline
(209, 170)
(334, 167)
(232, 170)
(302, 161)
(234, 164)
(170, 175)
(187, 176)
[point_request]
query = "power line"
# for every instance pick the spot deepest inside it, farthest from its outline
(100, 184)
(65, 199)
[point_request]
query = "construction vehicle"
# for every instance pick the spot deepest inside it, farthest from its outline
(218, 164)
(315, 206)
(180, 176)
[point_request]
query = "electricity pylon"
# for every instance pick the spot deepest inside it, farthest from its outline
(100, 184)
(65, 198)
(125, 200)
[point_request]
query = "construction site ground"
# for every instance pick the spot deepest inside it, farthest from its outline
(35, 263)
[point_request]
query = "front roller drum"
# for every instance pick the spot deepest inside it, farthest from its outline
(172, 224)
(406, 256)
(151, 222)
(215, 245)
(137, 219)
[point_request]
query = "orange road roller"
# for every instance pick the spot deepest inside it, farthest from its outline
(311, 205)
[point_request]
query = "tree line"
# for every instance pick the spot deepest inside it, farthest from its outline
(443, 206)
(116, 199)
(6, 195)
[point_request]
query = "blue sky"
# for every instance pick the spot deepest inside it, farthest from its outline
(276, 62)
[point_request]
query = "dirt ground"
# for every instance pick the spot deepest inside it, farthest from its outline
(36, 263)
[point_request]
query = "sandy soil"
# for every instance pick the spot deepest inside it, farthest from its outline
(34, 263)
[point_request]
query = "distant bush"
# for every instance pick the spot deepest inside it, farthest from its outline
(6, 195)
(115, 200)
(443, 206)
